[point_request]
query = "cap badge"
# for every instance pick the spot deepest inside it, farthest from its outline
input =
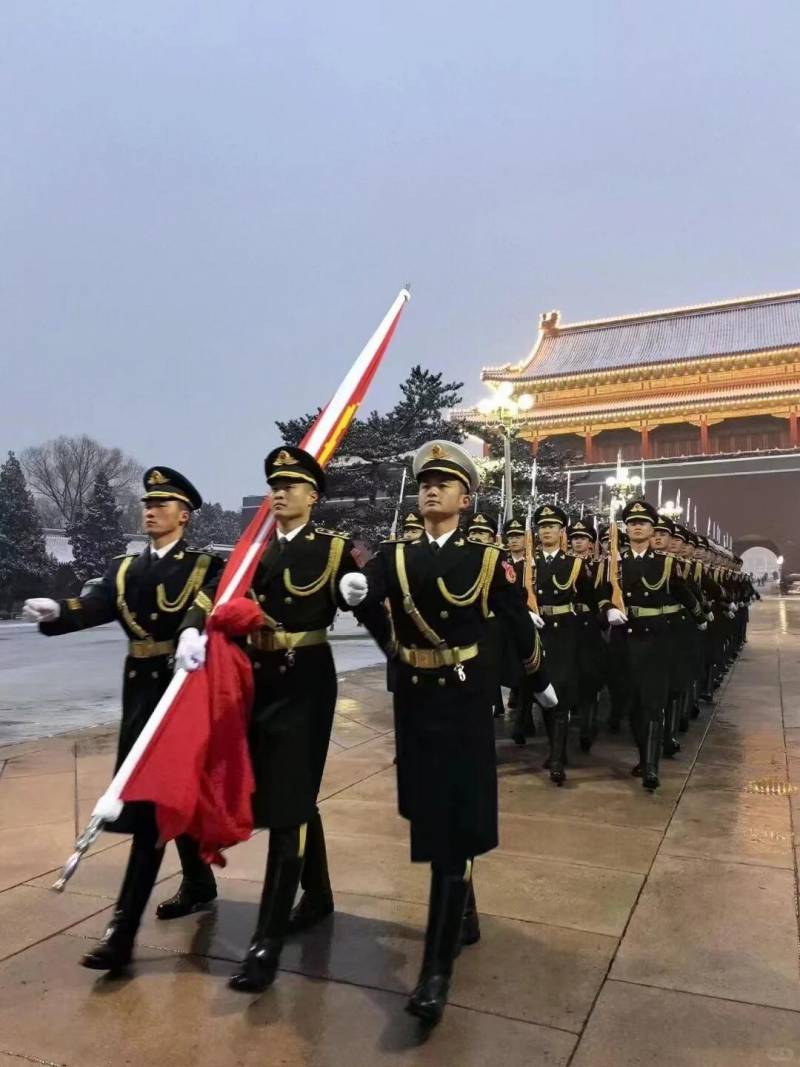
(437, 452)
(156, 478)
(285, 459)
(638, 507)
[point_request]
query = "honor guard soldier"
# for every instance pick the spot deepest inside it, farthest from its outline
(582, 538)
(296, 583)
(520, 700)
(148, 594)
(562, 581)
(653, 594)
(442, 589)
(483, 529)
(413, 527)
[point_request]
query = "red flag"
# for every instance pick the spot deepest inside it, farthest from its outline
(191, 759)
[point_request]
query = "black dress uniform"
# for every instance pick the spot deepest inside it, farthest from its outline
(653, 594)
(149, 597)
(562, 581)
(441, 599)
(296, 584)
(591, 646)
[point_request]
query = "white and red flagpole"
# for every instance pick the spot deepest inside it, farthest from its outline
(321, 441)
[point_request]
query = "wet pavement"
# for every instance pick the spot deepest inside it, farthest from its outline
(619, 928)
(57, 685)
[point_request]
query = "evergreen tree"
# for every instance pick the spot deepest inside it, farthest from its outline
(95, 534)
(213, 524)
(25, 566)
(364, 478)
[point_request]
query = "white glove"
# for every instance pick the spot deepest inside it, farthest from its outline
(616, 617)
(710, 616)
(702, 626)
(731, 614)
(537, 620)
(354, 588)
(191, 651)
(734, 608)
(41, 609)
(547, 698)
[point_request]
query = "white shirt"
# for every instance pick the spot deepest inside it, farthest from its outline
(550, 555)
(161, 552)
(440, 541)
(640, 555)
(292, 533)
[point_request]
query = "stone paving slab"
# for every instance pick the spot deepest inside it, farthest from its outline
(618, 928)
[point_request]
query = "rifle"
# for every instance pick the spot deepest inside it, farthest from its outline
(528, 572)
(617, 600)
(396, 519)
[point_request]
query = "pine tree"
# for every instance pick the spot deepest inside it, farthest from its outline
(25, 566)
(96, 534)
(213, 524)
(365, 475)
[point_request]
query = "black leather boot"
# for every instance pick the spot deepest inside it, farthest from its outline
(588, 717)
(671, 743)
(683, 712)
(558, 745)
(442, 937)
(115, 950)
(523, 726)
(316, 903)
(653, 743)
(258, 969)
(198, 886)
(471, 927)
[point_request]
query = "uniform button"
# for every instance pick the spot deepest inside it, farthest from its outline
(414, 679)
(442, 681)
(261, 598)
(630, 631)
(256, 666)
(645, 593)
(154, 674)
(555, 625)
(281, 669)
(540, 591)
(153, 616)
(444, 614)
(131, 674)
(287, 600)
(628, 595)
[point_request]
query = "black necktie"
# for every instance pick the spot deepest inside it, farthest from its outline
(435, 547)
(282, 541)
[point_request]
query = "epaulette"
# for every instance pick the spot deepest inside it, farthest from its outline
(124, 555)
(331, 533)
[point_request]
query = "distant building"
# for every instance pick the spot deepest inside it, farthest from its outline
(705, 397)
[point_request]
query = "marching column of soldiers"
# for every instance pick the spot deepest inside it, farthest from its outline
(653, 614)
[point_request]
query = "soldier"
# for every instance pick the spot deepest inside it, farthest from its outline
(483, 529)
(561, 582)
(582, 538)
(413, 527)
(442, 589)
(148, 595)
(296, 583)
(653, 594)
(521, 697)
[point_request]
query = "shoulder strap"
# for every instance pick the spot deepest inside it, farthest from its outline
(409, 606)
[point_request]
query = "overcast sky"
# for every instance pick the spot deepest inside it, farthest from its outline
(206, 207)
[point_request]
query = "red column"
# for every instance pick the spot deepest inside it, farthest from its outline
(588, 450)
(645, 443)
(704, 445)
(793, 429)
